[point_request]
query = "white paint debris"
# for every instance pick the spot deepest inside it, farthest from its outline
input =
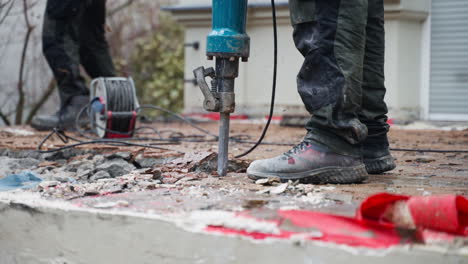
(275, 190)
(120, 203)
(47, 184)
(326, 188)
(305, 188)
(279, 189)
(261, 182)
(268, 181)
(426, 193)
(199, 220)
(314, 198)
(18, 132)
(289, 207)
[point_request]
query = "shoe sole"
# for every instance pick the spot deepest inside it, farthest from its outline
(380, 165)
(68, 127)
(329, 175)
(45, 128)
(41, 128)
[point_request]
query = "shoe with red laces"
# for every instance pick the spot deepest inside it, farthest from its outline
(310, 163)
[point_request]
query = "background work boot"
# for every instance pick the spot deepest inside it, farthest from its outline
(64, 118)
(377, 156)
(310, 163)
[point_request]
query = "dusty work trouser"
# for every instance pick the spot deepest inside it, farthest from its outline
(342, 79)
(74, 34)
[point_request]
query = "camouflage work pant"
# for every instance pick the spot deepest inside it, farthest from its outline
(342, 79)
(74, 34)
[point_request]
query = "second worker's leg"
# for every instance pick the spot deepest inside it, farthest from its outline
(332, 41)
(61, 49)
(94, 49)
(376, 153)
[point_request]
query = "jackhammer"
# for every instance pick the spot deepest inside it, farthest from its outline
(227, 43)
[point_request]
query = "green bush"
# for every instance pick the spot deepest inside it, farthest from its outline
(158, 66)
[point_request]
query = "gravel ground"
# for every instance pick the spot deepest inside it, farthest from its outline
(159, 181)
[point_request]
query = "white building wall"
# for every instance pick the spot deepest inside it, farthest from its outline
(403, 68)
(404, 26)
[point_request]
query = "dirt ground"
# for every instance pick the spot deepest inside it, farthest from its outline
(418, 173)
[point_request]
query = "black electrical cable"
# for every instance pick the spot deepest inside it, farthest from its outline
(171, 138)
(186, 120)
(111, 142)
(428, 150)
(273, 91)
(180, 138)
(104, 142)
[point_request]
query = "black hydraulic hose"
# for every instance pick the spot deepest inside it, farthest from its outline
(273, 92)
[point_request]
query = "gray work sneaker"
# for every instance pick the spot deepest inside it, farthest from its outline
(63, 119)
(310, 163)
(377, 156)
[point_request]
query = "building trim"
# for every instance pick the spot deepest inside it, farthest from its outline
(258, 15)
(406, 15)
(426, 68)
(448, 117)
(208, 7)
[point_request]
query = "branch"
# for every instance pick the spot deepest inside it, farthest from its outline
(120, 7)
(9, 6)
(20, 86)
(3, 4)
(4, 118)
(41, 101)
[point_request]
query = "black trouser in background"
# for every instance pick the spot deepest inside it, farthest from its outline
(74, 34)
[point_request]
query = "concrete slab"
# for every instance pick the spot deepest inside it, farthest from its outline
(35, 230)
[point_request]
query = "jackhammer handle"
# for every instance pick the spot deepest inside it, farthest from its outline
(210, 103)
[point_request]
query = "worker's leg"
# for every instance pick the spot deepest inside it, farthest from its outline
(332, 41)
(60, 41)
(374, 110)
(94, 49)
(330, 79)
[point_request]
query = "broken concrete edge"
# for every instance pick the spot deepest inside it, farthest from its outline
(197, 221)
